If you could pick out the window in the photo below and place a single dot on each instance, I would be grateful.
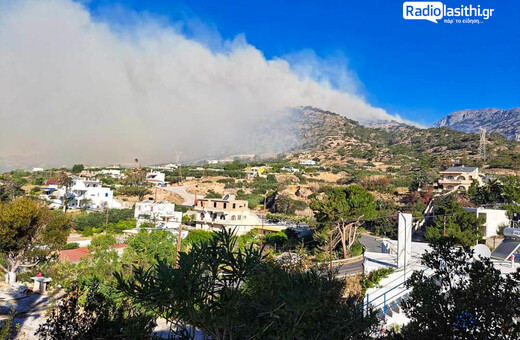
(225, 205)
(233, 218)
(214, 204)
(234, 205)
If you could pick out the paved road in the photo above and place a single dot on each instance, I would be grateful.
(189, 199)
(348, 269)
(372, 244)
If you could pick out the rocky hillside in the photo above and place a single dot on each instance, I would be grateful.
(505, 122)
(335, 138)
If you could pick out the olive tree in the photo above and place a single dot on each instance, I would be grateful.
(29, 233)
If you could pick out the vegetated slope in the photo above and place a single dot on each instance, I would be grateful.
(332, 137)
(505, 122)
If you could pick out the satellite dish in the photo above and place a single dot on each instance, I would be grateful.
(481, 252)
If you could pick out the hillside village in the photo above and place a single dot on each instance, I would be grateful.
(401, 197)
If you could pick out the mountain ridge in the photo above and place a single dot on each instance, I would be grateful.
(494, 120)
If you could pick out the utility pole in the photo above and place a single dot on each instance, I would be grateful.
(106, 219)
(330, 254)
(482, 144)
(178, 245)
(179, 167)
(262, 218)
(444, 228)
(262, 233)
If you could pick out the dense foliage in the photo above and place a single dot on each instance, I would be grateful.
(29, 233)
(95, 311)
(228, 292)
(97, 219)
(462, 299)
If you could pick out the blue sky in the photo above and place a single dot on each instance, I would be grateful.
(418, 69)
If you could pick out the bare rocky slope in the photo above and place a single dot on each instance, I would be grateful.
(505, 122)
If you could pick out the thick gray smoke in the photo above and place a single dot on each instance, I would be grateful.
(74, 89)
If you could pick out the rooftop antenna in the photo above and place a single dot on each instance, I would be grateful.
(482, 145)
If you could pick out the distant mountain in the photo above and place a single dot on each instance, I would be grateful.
(505, 122)
(335, 138)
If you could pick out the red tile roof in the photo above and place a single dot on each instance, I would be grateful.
(74, 255)
(52, 181)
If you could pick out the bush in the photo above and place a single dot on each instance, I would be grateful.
(278, 238)
(213, 194)
(198, 237)
(68, 246)
(87, 232)
(375, 276)
(356, 249)
(97, 219)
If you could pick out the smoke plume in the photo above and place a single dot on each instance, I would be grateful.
(77, 89)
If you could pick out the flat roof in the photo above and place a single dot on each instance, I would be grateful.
(460, 169)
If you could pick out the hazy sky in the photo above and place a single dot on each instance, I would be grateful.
(78, 88)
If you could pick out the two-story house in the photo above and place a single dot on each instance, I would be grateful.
(460, 177)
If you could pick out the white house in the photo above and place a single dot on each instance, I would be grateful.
(37, 169)
(90, 195)
(494, 218)
(291, 169)
(116, 173)
(161, 214)
(307, 162)
(156, 177)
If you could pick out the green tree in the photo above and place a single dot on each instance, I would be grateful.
(511, 189)
(94, 311)
(65, 181)
(228, 292)
(9, 189)
(102, 242)
(77, 168)
(464, 226)
(29, 233)
(146, 248)
(342, 209)
(139, 191)
(463, 299)
(278, 238)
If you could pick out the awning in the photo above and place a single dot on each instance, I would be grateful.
(505, 249)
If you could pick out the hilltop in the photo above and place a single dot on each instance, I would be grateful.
(505, 122)
(337, 139)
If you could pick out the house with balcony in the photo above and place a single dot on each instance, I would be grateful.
(225, 213)
(460, 177)
(160, 214)
(90, 195)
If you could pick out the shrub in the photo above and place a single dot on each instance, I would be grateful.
(356, 249)
(375, 276)
(73, 245)
(198, 237)
(278, 238)
(213, 194)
